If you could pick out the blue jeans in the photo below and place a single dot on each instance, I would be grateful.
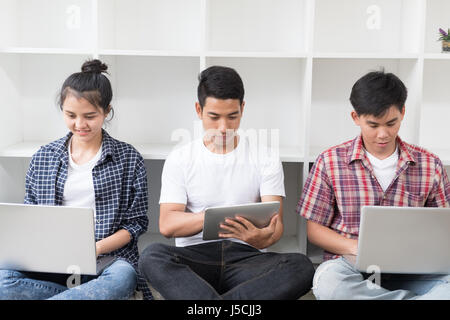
(338, 279)
(225, 270)
(117, 281)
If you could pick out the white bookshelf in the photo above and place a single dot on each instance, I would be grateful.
(436, 17)
(435, 108)
(256, 26)
(156, 25)
(60, 25)
(298, 60)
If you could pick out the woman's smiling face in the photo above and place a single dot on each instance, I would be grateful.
(82, 118)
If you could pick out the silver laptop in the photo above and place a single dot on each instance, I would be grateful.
(51, 239)
(258, 213)
(403, 240)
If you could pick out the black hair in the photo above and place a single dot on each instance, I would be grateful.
(90, 84)
(377, 91)
(220, 83)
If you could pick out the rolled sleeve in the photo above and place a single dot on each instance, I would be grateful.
(135, 221)
(317, 201)
(440, 193)
(30, 188)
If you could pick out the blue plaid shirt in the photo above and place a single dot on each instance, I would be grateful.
(120, 186)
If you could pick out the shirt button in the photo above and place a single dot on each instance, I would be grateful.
(99, 221)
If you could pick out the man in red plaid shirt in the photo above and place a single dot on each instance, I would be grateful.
(376, 168)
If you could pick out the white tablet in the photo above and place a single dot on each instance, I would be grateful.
(258, 213)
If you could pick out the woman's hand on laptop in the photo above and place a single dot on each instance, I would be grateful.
(242, 229)
(115, 241)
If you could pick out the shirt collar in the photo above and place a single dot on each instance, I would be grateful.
(356, 151)
(108, 147)
(60, 146)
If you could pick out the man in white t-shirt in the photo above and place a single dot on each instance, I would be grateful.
(222, 168)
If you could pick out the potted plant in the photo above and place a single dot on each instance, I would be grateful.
(445, 38)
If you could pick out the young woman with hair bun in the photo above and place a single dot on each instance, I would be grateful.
(88, 168)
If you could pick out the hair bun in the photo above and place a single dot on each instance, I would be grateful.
(94, 66)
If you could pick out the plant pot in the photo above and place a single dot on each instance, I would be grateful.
(446, 46)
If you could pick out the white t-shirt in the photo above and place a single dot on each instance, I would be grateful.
(79, 187)
(385, 169)
(195, 176)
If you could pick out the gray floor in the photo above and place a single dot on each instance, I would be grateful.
(308, 296)
(157, 296)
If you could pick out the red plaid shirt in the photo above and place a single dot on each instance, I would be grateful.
(342, 180)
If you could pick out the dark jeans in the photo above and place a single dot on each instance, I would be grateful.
(225, 270)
